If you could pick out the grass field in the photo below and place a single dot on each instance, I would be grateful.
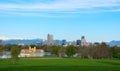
(60, 64)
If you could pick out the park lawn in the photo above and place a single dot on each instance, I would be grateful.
(60, 64)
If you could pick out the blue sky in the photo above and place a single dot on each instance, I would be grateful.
(98, 20)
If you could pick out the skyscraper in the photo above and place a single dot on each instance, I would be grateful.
(49, 39)
(78, 42)
(83, 41)
(64, 42)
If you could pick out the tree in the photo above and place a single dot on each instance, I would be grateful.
(46, 48)
(70, 51)
(1, 50)
(115, 50)
(101, 51)
(15, 51)
(118, 55)
(62, 51)
(32, 45)
(7, 47)
(84, 52)
(55, 50)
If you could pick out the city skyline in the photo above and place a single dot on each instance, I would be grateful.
(65, 19)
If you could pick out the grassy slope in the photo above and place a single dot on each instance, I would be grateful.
(67, 64)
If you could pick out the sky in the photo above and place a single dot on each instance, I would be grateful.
(97, 20)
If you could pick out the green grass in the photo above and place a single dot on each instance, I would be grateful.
(60, 64)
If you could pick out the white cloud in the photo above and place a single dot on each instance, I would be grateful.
(59, 6)
(62, 4)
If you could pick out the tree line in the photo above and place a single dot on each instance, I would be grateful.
(92, 51)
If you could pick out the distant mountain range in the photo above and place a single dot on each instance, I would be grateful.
(34, 41)
(114, 43)
(25, 41)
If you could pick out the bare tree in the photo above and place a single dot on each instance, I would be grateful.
(84, 52)
(100, 51)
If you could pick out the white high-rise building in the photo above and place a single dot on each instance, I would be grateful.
(83, 41)
(49, 39)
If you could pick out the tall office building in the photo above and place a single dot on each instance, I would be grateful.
(83, 41)
(78, 42)
(49, 39)
(64, 42)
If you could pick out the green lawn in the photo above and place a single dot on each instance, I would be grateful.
(61, 64)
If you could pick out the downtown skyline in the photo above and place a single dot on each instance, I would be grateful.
(65, 19)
